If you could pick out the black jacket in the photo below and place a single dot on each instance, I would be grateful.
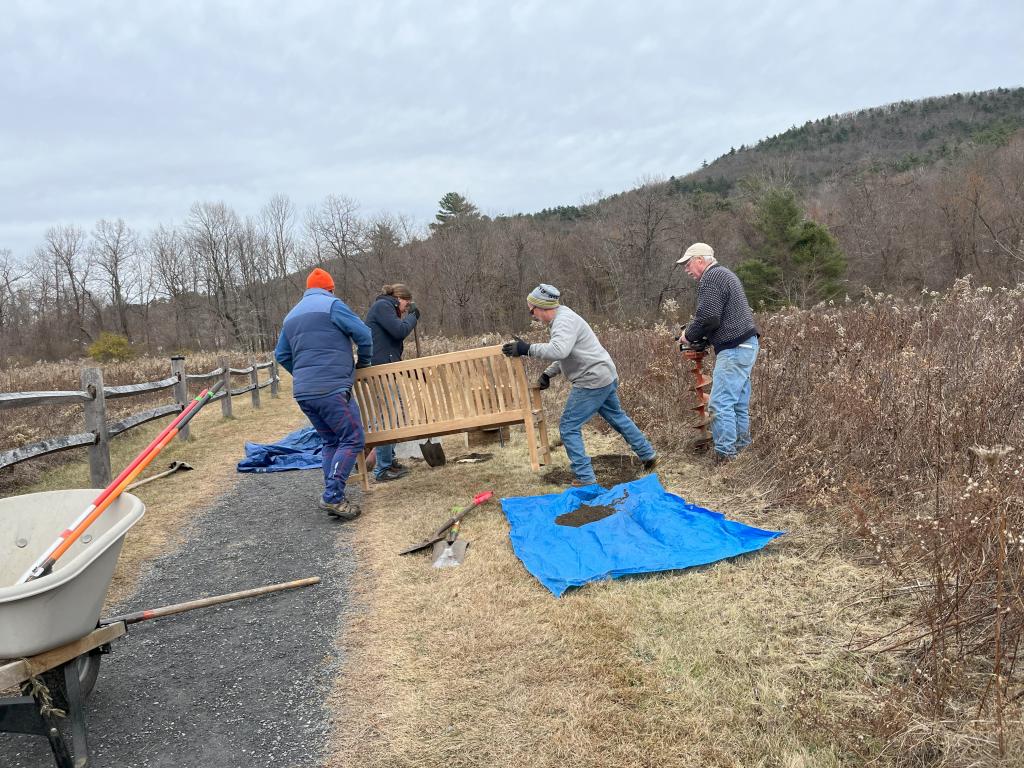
(388, 329)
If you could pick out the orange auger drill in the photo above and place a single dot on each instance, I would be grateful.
(701, 388)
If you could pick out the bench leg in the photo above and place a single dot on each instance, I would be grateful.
(363, 473)
(542, 425)
(531, 440)
(545, 447)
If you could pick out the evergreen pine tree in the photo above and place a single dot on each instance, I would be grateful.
(454, 208)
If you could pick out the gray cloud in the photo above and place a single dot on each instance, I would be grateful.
(139, 109)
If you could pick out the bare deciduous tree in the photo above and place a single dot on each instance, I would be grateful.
(115, 252)
(11, 273)
(340, 235)
(65, 253)
(211, 229)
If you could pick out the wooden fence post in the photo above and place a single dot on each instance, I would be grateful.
(95, 411)
(274, 382)
(225, 402)
(180, 389)
(254, 381)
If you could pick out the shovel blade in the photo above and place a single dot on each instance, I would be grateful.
(433, 453)
(450, 555)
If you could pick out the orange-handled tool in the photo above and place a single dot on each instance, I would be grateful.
(70, 535)
(442, 532)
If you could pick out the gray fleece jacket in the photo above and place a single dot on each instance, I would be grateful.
(576, 352)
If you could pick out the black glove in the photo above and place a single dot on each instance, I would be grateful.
(363, 364)
(544, 381)
(699, 346)
(517, 348)
(412, 309)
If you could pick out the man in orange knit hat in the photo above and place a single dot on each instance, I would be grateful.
(315, 347)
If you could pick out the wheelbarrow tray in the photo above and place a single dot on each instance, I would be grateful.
(65, 605)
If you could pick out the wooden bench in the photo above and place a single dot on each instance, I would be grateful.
(447, 394)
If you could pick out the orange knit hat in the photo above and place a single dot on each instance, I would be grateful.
(318, 278)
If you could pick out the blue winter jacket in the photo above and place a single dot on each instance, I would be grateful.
(315, 346)
(388, 329)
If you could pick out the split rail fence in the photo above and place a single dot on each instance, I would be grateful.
(93, 397)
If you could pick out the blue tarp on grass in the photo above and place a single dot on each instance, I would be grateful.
(651, 530)
(301, 449)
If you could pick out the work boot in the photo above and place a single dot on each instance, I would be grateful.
(651, 463)
(577, 483)
(396, 464)
(390, 474)
(344, 510)
(721, 458)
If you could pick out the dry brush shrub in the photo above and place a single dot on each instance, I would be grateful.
(653, 382)
(21, 426)
(907, 417)
(903, 419)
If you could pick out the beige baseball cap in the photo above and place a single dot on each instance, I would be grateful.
(697, 249)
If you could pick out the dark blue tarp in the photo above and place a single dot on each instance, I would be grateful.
(299, 450)
(651, 530)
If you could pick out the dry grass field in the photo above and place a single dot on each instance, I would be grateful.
(883, 629)
(743, 662)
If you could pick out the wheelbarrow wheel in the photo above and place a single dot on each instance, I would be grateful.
(88, 671)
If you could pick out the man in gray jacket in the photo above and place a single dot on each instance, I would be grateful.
(576, 352)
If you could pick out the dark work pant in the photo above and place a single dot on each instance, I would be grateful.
(336, 420)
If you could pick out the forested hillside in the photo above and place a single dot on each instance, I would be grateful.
(901, 198)
(895, 137)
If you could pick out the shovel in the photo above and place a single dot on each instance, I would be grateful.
(433, 453)
(442, 532)
(174, 466)
(450, 552)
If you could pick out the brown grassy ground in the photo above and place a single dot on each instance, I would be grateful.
(745, 662)
(738, 663)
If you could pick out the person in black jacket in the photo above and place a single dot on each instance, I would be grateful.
(723, 320)
(391, 318)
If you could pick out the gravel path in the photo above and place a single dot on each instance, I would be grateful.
(242, 684)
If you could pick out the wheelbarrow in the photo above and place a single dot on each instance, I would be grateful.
(48, 627)
(64, 605)
(58, 611)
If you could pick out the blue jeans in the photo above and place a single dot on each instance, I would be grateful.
(385, 457)
(730, 398)
(386, 453)
(336, 420)
(579, 408)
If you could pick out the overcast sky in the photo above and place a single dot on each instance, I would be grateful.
(138, 109)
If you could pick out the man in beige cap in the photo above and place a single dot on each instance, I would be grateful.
(723, 321)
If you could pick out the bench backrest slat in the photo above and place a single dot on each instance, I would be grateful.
(440, 394)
